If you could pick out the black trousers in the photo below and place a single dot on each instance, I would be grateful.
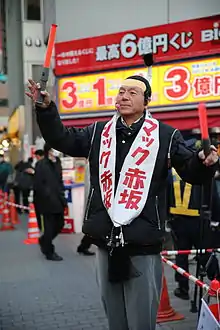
(38, 216)
(186, 235)
(25, 195)
(52, 226)
(85, 243)
(17, 193)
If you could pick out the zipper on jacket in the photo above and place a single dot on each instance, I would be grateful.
(157, 213)
(89, 203)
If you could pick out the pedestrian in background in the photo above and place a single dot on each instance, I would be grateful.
(49, 200)
(39, 155)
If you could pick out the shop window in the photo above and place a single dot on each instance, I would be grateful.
(32, 10)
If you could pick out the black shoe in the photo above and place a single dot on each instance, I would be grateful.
(54, 257)
(181, 293)
(85, 252)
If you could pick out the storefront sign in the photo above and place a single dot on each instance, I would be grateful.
(168, 42)
(67, 163)
(68, 227)
(172, 85)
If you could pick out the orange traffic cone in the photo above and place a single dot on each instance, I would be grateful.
(166, 313)
(33, 230)
(6, 221)
(12, 209)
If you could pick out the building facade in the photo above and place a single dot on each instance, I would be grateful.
(88, 26)
(99, 44)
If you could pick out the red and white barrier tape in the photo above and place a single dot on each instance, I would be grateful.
(17, 205)
(13, 204)
(186, 274)
(174, 253)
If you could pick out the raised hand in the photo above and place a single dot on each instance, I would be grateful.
(33, 93)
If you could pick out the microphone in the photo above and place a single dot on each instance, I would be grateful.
(149, 61)
(117, 106)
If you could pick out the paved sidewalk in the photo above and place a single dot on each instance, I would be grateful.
(36, 294)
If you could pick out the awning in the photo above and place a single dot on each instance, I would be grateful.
(188, 120)
(16, 122)
(83, 121)
(181, 119)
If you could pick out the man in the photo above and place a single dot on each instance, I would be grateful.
(39, 155)
(126, 206)
(23, 182)
(26, 181)
(49, 200)
(6, 170)
(185, 204)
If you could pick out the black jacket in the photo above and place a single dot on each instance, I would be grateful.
(183, 198)
(23, 180)
(48, 187)
(148, 228)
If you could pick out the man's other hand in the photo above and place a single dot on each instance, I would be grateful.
(211, 159)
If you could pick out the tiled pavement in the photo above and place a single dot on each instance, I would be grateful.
(36, 294)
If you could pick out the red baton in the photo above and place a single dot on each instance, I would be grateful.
(204, 128)
(46, 67)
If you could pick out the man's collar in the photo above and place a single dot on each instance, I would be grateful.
(130, 126)
(135, 122)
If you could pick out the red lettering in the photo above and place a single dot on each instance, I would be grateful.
(150, 129)
(144, 153)
(106, 180)
(108, 142)
(106, 130)
(202, 86)
(71, 100)
(217, 85)
(107, 199)
(131, 199)
(134, 178)
(149, 141)
(81, 104)
(105, 155)
(180, 79)
(100, 87)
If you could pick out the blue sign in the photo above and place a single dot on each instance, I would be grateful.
(68, 195)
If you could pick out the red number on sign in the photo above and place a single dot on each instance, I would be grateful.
(179, 77)
(100, 87)
(71, 100)
(217, 85)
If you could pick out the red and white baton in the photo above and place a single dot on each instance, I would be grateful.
(204, 128)
(46, 67)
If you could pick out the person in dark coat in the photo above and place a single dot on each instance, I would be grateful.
(185, 205)
(126, 209)
(23, 182)
(6, 171)
(39, 155)
(49, 200)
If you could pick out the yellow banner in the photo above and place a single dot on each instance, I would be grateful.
(174, 84)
